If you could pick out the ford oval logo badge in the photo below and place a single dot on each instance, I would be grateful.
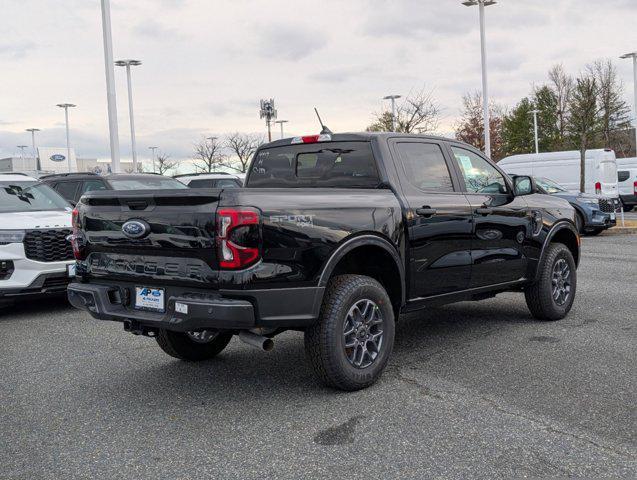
(136, 229)
(57, 157)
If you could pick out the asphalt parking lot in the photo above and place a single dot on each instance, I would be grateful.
(474, 390)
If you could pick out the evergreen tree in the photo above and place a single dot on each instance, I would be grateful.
(517, 129)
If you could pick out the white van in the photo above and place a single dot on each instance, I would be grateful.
(564, 168)
(627, 182)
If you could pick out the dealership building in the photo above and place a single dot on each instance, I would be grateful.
(54, 160)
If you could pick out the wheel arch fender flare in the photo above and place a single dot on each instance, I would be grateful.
(364, 240)
(563, 225)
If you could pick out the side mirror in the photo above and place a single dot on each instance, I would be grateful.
(524, 185)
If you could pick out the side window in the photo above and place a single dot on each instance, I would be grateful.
(201, 183)
(479, 175)
(424, 165)
(227, 183)
(92, 185)
(623, 175)
(67, 190)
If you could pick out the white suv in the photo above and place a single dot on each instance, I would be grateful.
(210, 180)
(35, 257)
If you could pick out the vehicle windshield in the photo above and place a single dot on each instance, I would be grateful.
(549, 185)
(152, 182)
(29, 197)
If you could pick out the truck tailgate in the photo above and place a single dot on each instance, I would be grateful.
(176, 241)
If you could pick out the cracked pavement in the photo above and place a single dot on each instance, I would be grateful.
(473, 390)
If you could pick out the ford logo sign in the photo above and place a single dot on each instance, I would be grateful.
(57, 157)
(136, 229)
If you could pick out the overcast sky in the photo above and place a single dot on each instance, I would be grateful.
(207, 63)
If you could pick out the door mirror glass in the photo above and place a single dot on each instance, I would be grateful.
(524, 185)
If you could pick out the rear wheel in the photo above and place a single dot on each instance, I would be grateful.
(193, 346)
(350, 344)
(551, 297)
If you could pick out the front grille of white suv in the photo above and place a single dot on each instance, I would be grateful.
(48, 245)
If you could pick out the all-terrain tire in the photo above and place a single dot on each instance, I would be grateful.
(325, 341)
(181, 346)
(540, 296)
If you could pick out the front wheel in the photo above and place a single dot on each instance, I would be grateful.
(350, 344)
(193, 346)
(551, 297)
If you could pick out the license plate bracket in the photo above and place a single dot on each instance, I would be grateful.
(150, 299)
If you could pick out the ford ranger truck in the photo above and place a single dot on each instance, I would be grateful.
(334, 235)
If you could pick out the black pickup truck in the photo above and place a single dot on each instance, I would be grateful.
(334, 235)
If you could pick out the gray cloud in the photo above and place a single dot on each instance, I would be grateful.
(16, 49)
(288, 42)
(155, 30)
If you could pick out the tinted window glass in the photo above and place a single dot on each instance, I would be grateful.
(201, 183)
(478, 174)
(623, 175)
(152, 182)
(425, 166)
(92, 185)
(329, 164)
(29, 196)
(227, 183)
(67, 190)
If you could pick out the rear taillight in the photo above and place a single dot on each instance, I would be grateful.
(598, 188)
(237, 237)
(75, 238)
(635, 188)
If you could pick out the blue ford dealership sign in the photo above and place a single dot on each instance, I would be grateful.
(57, 157)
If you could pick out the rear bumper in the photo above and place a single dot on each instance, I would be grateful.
(229, 310)
(629, 199)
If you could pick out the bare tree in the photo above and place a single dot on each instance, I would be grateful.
(164, 164)
(614, 111)
(242, 147)
(584, 118)
(562, 86)
(470, 128)
(208, 155)
(418, 113)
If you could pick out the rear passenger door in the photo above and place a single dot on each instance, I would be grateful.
(438, 218)
(501, 221)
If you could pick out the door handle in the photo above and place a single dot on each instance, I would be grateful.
(426, 212)
(484, 211)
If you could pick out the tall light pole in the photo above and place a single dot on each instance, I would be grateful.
(35, 152)
(633, 55)
(393, 109)
(281, 122)
(485, 89)
(152, 149)
(22, 147)
(110, 85)
(128, 64)
(535, 112)
(66, 107)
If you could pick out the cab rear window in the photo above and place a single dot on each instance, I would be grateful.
(329, 164)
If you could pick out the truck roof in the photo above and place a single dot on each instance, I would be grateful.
(362, 137)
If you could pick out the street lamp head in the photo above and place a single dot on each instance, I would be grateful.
(66, 105)
(473, 3)
(32, 130)
(392, 97)
(22, 146)
(534, 111)
(629, 55)
(282, 121)
(126, 63)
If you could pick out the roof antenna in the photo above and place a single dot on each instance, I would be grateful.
(324, 129)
